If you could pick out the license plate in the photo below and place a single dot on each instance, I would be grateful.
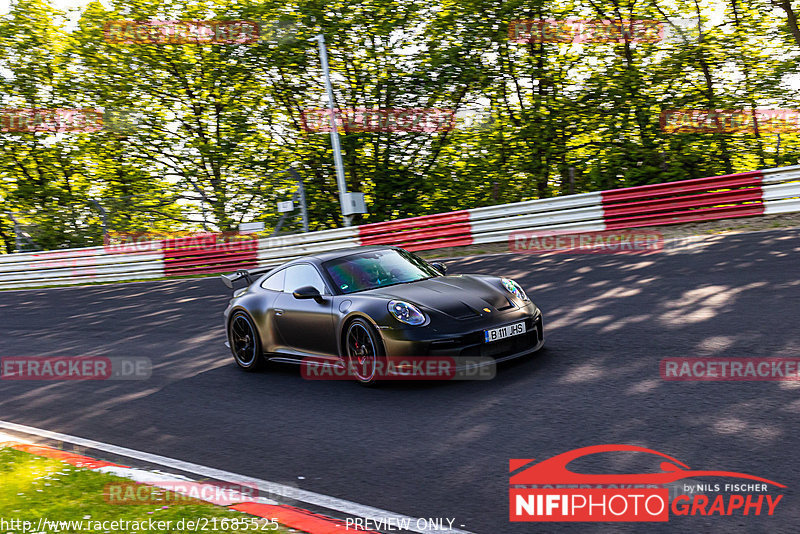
(496, 334)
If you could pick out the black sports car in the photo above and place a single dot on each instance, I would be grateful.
(356, 307)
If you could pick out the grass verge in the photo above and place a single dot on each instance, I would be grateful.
(52, 496)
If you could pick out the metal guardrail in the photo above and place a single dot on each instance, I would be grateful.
(781, 190)
(765, 192)
(493, 224)
(702, 199)
(420, 233)
(77, 266)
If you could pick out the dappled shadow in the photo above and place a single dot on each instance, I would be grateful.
(608, 319)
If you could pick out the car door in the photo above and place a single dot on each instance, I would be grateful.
(273, 286)
(306, 325)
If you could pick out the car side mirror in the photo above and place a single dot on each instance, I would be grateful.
(307, 292)
(439, 266)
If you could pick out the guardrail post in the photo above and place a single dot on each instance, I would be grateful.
(103, 219)
(572, 180)
(301, 192)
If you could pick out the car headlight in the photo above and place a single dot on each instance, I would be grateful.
(515, 289)
(406, 313)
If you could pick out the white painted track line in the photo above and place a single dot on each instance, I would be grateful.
(331, 503)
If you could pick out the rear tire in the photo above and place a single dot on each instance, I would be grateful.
(245, 342)
(363, 352)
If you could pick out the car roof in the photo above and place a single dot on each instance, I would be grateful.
(340, 253)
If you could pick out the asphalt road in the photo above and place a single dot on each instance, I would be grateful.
(442, 449)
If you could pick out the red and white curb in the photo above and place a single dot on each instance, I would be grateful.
(290, 516)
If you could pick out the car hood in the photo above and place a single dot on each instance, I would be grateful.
(461, 296)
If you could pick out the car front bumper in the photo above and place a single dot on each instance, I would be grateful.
(470, 342)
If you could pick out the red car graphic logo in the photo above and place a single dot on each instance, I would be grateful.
(554, 470)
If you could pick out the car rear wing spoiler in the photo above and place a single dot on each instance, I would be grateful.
(247, 274)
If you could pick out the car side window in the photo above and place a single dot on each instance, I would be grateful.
(274, 282)
(301, 275)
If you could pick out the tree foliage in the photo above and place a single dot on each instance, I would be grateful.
(202, 135)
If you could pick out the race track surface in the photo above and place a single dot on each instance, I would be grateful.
(442, 449)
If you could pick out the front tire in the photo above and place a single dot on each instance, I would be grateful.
(364, 355)
(245, 342)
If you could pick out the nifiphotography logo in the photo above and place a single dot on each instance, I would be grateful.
(548, 491)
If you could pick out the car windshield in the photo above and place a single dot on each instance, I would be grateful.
(379, 268)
